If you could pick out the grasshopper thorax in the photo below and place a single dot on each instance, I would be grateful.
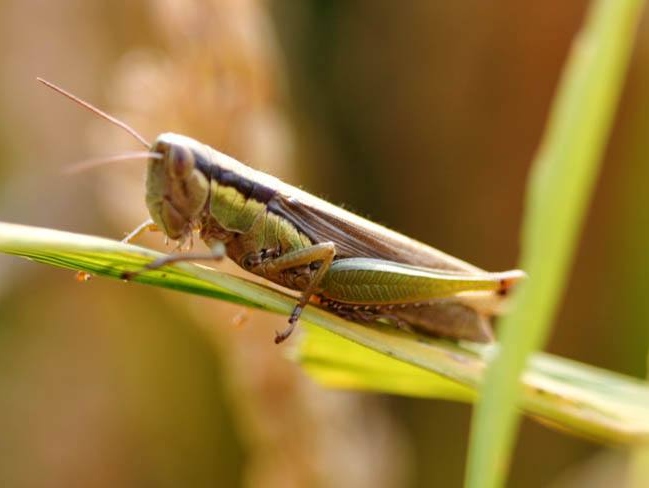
(176, 190)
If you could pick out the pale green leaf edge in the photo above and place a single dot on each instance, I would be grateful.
(575, 397)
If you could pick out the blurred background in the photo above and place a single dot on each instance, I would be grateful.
(423, 116)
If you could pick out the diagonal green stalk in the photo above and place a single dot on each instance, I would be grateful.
(560, 185)
(587, 401)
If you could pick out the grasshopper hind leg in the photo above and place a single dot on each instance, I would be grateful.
(315, 259)
(448, 318)
(440, 318)
(292, 321)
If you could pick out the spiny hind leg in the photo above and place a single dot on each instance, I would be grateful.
(274, 269)
(438, 318)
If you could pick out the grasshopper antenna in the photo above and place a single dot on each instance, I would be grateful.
(94, 162)
(97, 111)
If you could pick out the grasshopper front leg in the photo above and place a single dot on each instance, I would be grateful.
(277, 270)
(216, 254)
(146, 226)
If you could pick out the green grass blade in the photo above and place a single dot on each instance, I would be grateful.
(592, 402)
(574, 397)
(560, 185)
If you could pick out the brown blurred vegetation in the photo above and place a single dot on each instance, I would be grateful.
(423, 116)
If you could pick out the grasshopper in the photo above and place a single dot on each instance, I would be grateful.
(349, 265)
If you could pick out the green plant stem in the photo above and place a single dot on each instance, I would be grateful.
(559, 189)
(577, 398)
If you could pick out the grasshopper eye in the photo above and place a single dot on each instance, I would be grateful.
(181, 161)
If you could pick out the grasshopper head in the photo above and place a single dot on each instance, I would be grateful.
(176, 191)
